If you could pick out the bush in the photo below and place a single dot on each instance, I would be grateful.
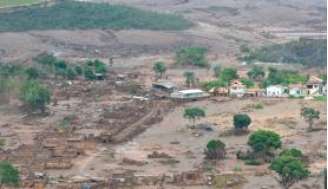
(292, 152)
(217, 70)
(32, 73)
(192, 56)
(253, 162)
(241, 121)
(9, 175)
(70, 74)
(78, 70)
(34, 95)
(215, 149)
(213, 84)
(263, 141)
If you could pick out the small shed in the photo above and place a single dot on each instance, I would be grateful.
(276, 91)
(237, 88)
(163, 88)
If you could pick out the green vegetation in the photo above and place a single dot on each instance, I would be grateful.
(2, 143)
(257, 73)
(228, 74)
(13, 3)
(213, 84)
(224, 77)
(290, 168)
(83, 15)
(310, 114)
(241, 121)
(159, 68)
(9, 175)
(217, 70)
(248, 83)
(35, 96)
(215, 149)
(192, 56)
(283, 77)
(190, 78)
(92, 68)
(321, 98)
(309, 52)
(194, 114)
(293, 152)
(263, 141)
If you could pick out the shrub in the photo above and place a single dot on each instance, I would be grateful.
(32, 73)
(34, 95)
(192, 56)
(78, 70)
(253, 162)
(213, 84)
(9, 175)
(263, 141)
(88, 73)
(70, 74)
(215, 149)
(292, 152)
(241, 121)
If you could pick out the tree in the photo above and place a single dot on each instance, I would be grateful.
(228, 74)
(256, 73)
(217, 70)
(159, 68)
(192, 56)
(241, 121)
(9, 175)
(310, 114)
(194, 114)
(290, 170)
(262, 142)
(34, 95)
(215, 149)
(190, 78)
(248, 83)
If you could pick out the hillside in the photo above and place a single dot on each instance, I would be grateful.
(82, 15)
(309, 52)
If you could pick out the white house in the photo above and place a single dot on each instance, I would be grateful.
(314, 86)
(276, 91)
(237, 88)
(296, 90)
